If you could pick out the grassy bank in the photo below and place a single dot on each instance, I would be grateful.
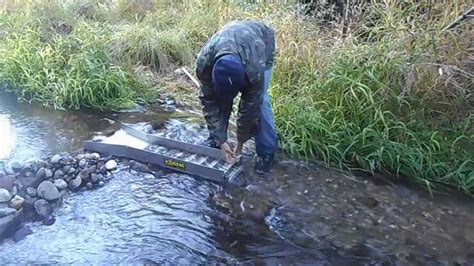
(393, 95)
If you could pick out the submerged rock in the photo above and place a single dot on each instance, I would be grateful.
(48, 191)
(5, 195)
(22, 233)
(6, 211)
(17, 202)
(43, 208)
(60, 184)
(6, 182)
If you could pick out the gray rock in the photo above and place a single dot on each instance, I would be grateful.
(48, 173)
(2, 173)
(56, 158)
(101, 183)
(6, 211)
(92, 156)
(5, 195)
(27, 167)
(82, 163)
(17, 202)
(16, 165)
(9, 170)
(31, 191)
(47, 191)
(7, 222)
(71, 171)
(66, 168)
(58, 174)
(60, 184)
(111, 165)
(43, 208)
(29, 174)
(148, 129)
(96, 178)
(75, 183)
(6, 182)
(30, 182)
(89, 185)
(41, 172)
(14, 190)
(80, 156)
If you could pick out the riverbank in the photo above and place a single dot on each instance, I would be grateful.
(391, 95)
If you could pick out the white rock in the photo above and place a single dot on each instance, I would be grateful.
(5, 195)
(111, 165)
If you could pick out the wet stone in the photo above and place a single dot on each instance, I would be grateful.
(48, 191)
(58, 174)
(89, 186)
(96, 178)
(75, 183)
(101, 183)
(17, 202)
(22, 233)
(9, 170)
(16, 165)
(41, 172)
(49, 220)
(6, 182)
(31, 191)
(60, 184)
(56, 158)
(6, 211)
(43, 208)
(5, 195)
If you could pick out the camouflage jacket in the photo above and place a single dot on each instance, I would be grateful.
(254, 43)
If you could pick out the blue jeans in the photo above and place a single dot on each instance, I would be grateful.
(266, 140)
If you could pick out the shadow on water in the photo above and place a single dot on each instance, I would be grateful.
(304, 214)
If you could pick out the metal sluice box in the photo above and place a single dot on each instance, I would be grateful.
(188, 158)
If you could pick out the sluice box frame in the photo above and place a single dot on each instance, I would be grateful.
(165, 161)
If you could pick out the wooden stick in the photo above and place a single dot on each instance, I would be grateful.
(193, 79)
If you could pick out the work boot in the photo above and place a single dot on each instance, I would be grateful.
(263, 164)
(211, 143)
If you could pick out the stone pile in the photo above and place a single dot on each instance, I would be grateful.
(31, 190)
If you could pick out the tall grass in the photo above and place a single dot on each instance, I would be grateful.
(394, 94)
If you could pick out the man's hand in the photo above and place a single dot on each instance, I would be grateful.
(229, 155)
(238, 148)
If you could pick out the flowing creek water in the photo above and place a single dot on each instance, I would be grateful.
(303, 214)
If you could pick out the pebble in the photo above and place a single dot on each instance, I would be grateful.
(48, 191)
(60, 184)
(89, 185)
(58, 174)
(82, 163)
(31, 191)
(101, 183)
(16, 165)
(96, 178)
(56, 158)
(6, 182)
(111, 165)
(17, 202)
(48, 173)
(43, 208)
(75, 183)
(5, 195)
(9, 170)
